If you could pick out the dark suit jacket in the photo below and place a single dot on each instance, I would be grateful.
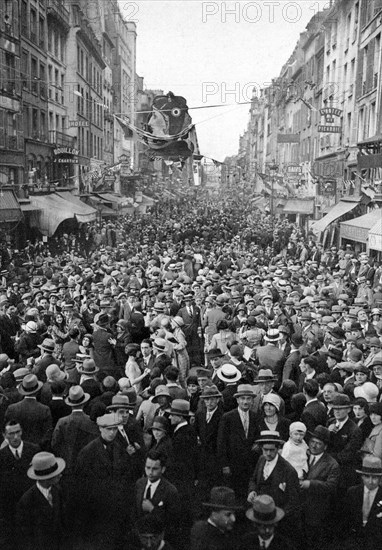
(35, 419)
(251, 540)
(271, 357)
(324, 476)
(291, 370)
(103, 351)
(42, 363)
(282, 485)
(234, 449)
(40, 525)
(166, 504)
(13, 477)
(344, 447)
(71, 434)
(205, 536)
(58, 409)
(371, 534)
(182, 465)
(314, 414)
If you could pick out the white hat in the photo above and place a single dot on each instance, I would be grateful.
(297, 427)
(368, 391)
(31, 327)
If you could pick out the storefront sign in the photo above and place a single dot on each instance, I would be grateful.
(78, 124)
(294, 169)
(327, 168)
(375, 241)
(329, 129)
(66, 151)
(67, 161)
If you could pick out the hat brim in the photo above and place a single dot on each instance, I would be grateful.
(324, 439)
(61, 467)
(270, 440)
(272, 339)
(121, 406)
(85, 399)
(236, 378)
(155, 400)
(178, 413)
(44, 348)
(212, 395)
(23, 392)
(234, 507)
(244, 394)
(262, 380)
(370, 472)
(278, 517)
(81, 371)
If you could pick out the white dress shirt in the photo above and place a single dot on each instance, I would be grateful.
(47, 494)
(153, 488)
(269, 466)
(19, 450)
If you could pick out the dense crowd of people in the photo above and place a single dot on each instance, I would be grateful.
(204, 377)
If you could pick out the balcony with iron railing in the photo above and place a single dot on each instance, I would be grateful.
(56, 9)
(60, 139)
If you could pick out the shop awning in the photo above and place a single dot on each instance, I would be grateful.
(358, 228)
(147, 201)
(338, 210)
(83, 212)
(28, 208)
(299, 206)
(115, 199)
(52, 210)
(375, 236)
(10, 210)
(104, 210)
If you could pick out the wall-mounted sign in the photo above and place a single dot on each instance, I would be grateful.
(329, 129)
(78, 124)
(66, 151)
(67, 161)
(294, 169)
(288, 138)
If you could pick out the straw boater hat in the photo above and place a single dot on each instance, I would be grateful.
(269, 436)
(109, 420)
(264, 511)
(30, 385)
(45, 466)
(77, 397)
(228, 373)
(371, 465)
(160, 344)
(245, 390)
(272, 335)
(222, 498)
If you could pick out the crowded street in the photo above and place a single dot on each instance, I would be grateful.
(190, 275)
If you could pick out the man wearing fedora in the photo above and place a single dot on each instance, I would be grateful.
(192, 329)
(362, 515)
(182, 464)
(41, 517)
(265, 516)
(34, 417)
(237, 434)
(319, 488)
(274, 476)
(101, 508)
(217, 531)
(207, 426)
(15, 459)
(72, 433)
(345, 440)
(271, 356)
(264, 385)
(46, 359)
(103, 349)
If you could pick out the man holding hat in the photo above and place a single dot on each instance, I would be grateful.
(266, 516)
(40, 516)
(237, 433)
(274, 476)
(216, 532)
(362, 515)
(319, 488)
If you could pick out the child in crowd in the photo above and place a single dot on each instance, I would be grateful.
(294, 450)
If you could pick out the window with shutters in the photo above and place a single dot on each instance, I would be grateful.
(2, 127)
(26, 121)
(35, 124)
(41, 32)
(24, 19)
(34, 75)
(42, 81)
(25, 69)
(377, 60)
(33, 26)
